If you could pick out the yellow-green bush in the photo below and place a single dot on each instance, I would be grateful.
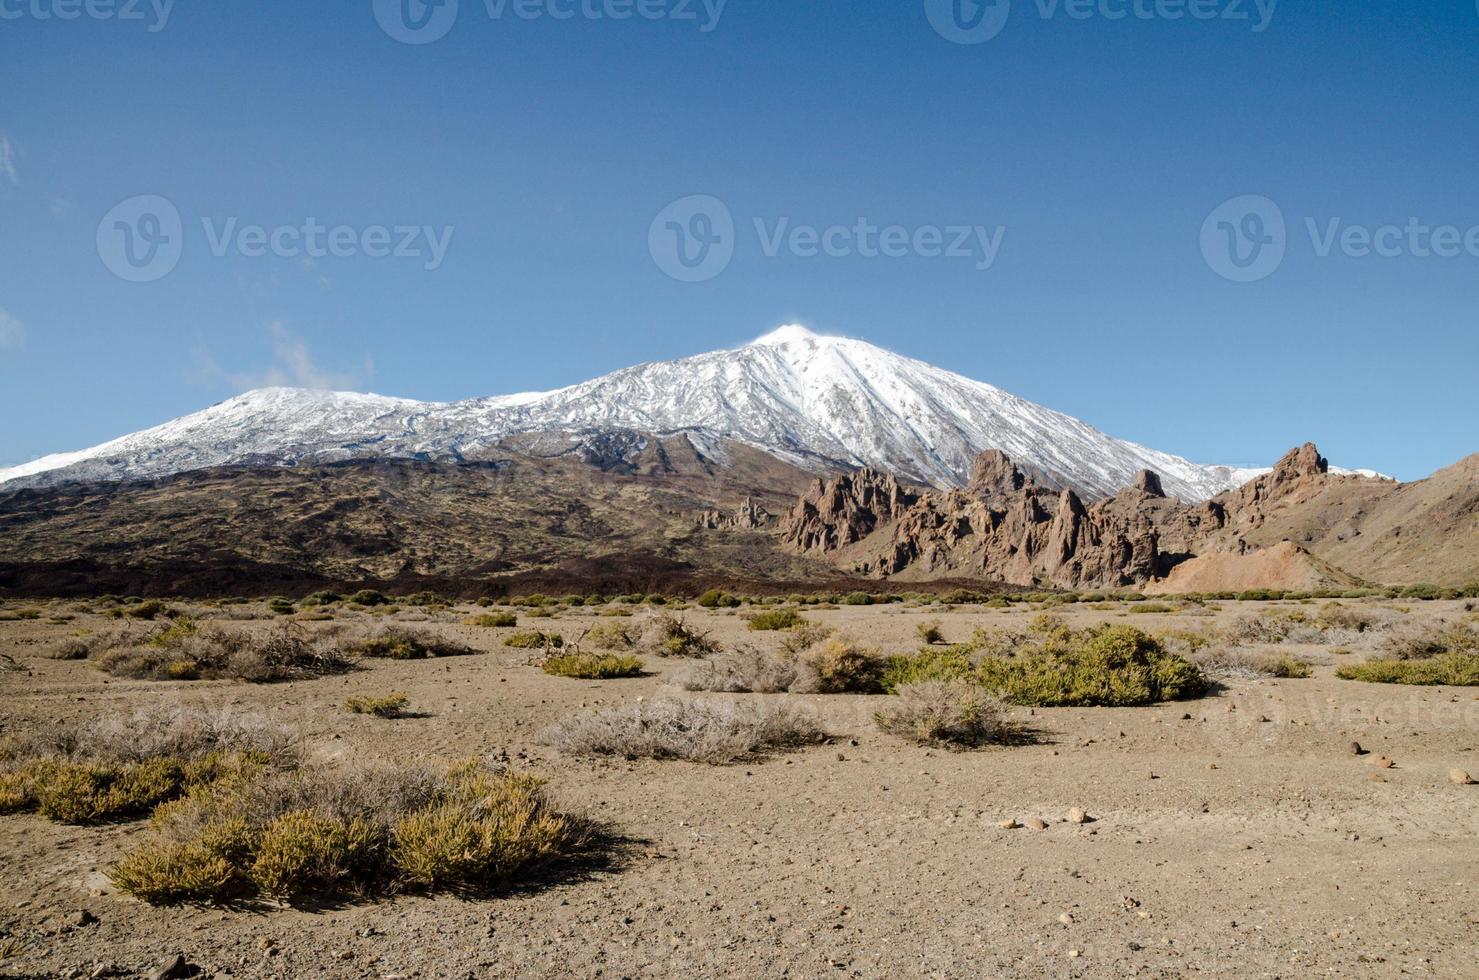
(593, 666)
(303, 852)
(500, 619)
(481, 830)
(391, 705)
(776, 619)
(534, 640)
(1454, 669)
(1109, 666)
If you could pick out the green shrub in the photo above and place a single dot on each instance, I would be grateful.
(303, 852)
(1109, 666)
(328, 832)
(715, 599)
(592, 666)
(399, 644)
(480, 831)
(611, 636)
(369, 597)
(533, 640)
(1454, 669)
(939, 664)
(501, 619)
(776, 619)
(391, 705)
(145, 610)
(857, 599)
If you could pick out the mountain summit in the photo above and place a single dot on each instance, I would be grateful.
(819, 402)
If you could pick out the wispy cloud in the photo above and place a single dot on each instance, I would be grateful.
(8, 154)
(12, 331)
(293, 366)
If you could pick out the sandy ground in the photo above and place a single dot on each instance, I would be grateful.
(1245, 840)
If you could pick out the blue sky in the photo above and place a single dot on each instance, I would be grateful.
(548, 146)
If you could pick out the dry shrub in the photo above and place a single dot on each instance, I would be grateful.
(121, 768)
(743, 671)
(666, 635)
(324, 832)
(715, 732)
(393, 643)
(929, 632)
(809, 634)
(72, 649)
(590, 666)
(838, 665)
(183, 651)
(1231, 663)
(612, 636)
(499, 619)
(534, 640)
(391, 705)
(1421, 642)
(951, 713)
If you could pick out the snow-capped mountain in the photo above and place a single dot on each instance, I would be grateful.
(815, 401)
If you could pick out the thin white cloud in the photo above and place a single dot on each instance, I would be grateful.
(293, 366)
(12, 331)
(8, 154)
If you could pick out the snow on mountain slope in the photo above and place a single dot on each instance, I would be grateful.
(812, 400)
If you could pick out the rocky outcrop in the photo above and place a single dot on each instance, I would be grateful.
(842, 511)
(748, 517)
(1004, 525)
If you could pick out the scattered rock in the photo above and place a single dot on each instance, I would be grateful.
(1077, 815)
(1008, 824)
(171, 968)
(1356, 749)
(1066, 919)
(1036, 824)
(1459, 777)
(1381, 762)
(83, 918)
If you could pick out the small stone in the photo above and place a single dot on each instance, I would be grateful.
(1356, 749)
(84, 918)
(1382, 762)
(1066, 919)
(1078, 815)
(1211, 765)
(1073, 954)
(1036, 824)
(171, 968)
(1459, 777)
(1008, 824)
